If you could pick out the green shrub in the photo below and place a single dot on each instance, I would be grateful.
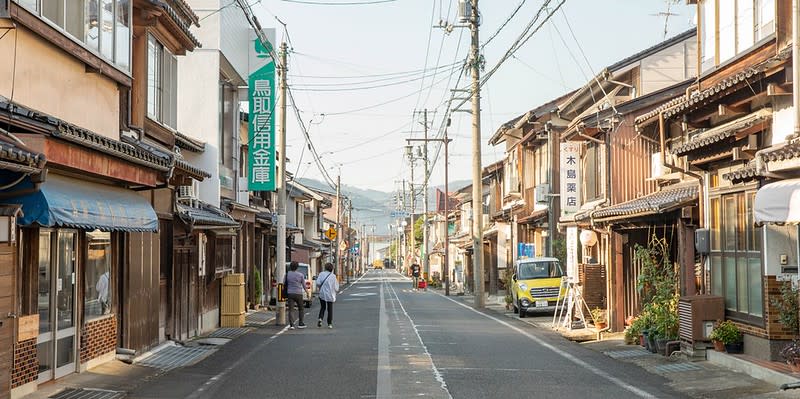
(726, 332)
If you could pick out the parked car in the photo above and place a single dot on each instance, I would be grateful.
(536, 285)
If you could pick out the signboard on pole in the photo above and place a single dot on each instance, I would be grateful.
(572, 252)
(261, 122)
(570, 178)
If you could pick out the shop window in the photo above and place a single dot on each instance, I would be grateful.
(736, 271)
(98, 286)
(224, 254)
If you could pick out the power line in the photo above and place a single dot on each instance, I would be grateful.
(348, 3)
(354, 85)
(510, 17)
(427, 53)
(403, 73)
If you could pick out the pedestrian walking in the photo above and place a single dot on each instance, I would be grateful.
(327, 286)
(295, 286)
(415, 275)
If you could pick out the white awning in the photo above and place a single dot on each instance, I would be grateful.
(778, 203)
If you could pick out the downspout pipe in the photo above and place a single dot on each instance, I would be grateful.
(795, 66)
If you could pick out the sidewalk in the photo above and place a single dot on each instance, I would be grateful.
(113, 379)
(721, 376)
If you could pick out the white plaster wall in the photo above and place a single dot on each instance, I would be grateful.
(235, 40)
(782, 119)
(669, 66)
(779, 240)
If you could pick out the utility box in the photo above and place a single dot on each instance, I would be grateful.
(232, 308)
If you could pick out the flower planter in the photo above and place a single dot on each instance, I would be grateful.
(661, 345)
(719, 346)
(736, 347)
(641, 340)
(600, 325)
(651, 343)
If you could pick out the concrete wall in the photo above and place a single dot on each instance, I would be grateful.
(779, 240)
(49, 80)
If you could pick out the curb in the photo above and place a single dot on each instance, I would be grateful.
(756, 371)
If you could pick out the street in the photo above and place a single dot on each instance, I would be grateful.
(392, 342)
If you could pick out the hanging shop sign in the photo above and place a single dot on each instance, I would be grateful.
(570, 178)
(261, 123)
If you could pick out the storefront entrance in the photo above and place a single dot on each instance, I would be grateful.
(57, 344)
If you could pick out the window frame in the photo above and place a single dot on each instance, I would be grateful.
(710, 47)
(164, 110)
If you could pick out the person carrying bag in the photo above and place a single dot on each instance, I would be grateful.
(327, 286)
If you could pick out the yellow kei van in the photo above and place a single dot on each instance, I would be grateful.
(536, 284)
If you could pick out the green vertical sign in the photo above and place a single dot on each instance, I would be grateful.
(261, 131)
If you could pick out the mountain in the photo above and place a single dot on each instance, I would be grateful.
(373, 207)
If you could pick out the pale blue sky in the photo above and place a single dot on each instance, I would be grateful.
(340, 42)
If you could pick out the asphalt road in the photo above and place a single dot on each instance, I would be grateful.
(390, 341)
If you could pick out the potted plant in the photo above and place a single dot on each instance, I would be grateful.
(599, 317)
(791, 353)
(633, 332)
(727, 333)
(509, 300)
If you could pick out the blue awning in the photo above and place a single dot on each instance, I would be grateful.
(67, 202)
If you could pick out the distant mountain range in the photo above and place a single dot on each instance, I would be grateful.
(373, 207)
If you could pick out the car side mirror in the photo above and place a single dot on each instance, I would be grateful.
(514, 276)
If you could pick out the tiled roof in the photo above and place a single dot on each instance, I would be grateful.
(699, 98)
(782, 153)
(189, 143)
(178, 20)
(194, 171)
(658, 202)
(203, 214)
(722, 132)
(534, 217)
(747, 173)
(110, 146)
(17, 159)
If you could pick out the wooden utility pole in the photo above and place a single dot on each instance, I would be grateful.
(477, 185)
(338, 225)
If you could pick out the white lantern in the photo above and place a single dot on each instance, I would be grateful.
(588, 238)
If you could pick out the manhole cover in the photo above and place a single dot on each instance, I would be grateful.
(87, 393)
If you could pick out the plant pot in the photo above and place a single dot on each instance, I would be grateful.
(651, 343)
(644, 339)
(719, 346)
(641, 340)
(600, 325)
(661, 345)
(735, 347)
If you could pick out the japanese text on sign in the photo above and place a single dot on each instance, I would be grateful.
(570, 178)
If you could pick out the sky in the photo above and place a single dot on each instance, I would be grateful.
(363, 74)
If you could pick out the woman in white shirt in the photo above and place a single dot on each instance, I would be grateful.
(327, 285)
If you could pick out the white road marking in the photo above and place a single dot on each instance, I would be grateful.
(622, 384)
(384, 368)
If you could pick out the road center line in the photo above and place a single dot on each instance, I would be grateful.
(622, 384)
(384, 389)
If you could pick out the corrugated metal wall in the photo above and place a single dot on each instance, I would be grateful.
(630, 163)
(140, 311)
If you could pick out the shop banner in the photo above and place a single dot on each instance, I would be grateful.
(570, 178)
(261, 132)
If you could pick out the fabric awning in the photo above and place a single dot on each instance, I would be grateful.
(778, 203)
(67, 202)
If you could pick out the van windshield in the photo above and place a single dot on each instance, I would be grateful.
(300, 268)
(543, 269)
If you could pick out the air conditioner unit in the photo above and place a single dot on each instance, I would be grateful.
(540, 193)
(694, 313)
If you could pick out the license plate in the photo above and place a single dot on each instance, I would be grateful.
(541, 304)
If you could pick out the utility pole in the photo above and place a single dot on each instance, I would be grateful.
(280, 267)
(446, 268)
(410, 151)
(349, 241)
(477, 186)
(425, 257)
(338, 225)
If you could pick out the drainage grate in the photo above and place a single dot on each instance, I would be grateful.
(228, 332)
(176, 356)
(627, 353)
(87, 393)
(259, 318)
(676, 367)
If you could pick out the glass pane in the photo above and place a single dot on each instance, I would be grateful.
(755, 286)
(745, 24)
(107, 29)
(729, 266)
(754, 242)
(44, 282)
(66, 351)
(716, 238)
(729, 225)
(741, 285)
(707, 13)
(97, 278)
(727, 32)
(122, 34)
(75, 18)
(54, 11)
(766, 18)
(65, 285)
(92, 24)
(44, 351)
(30, 4)
(716, 274)
(153, 78)
(741, 223)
